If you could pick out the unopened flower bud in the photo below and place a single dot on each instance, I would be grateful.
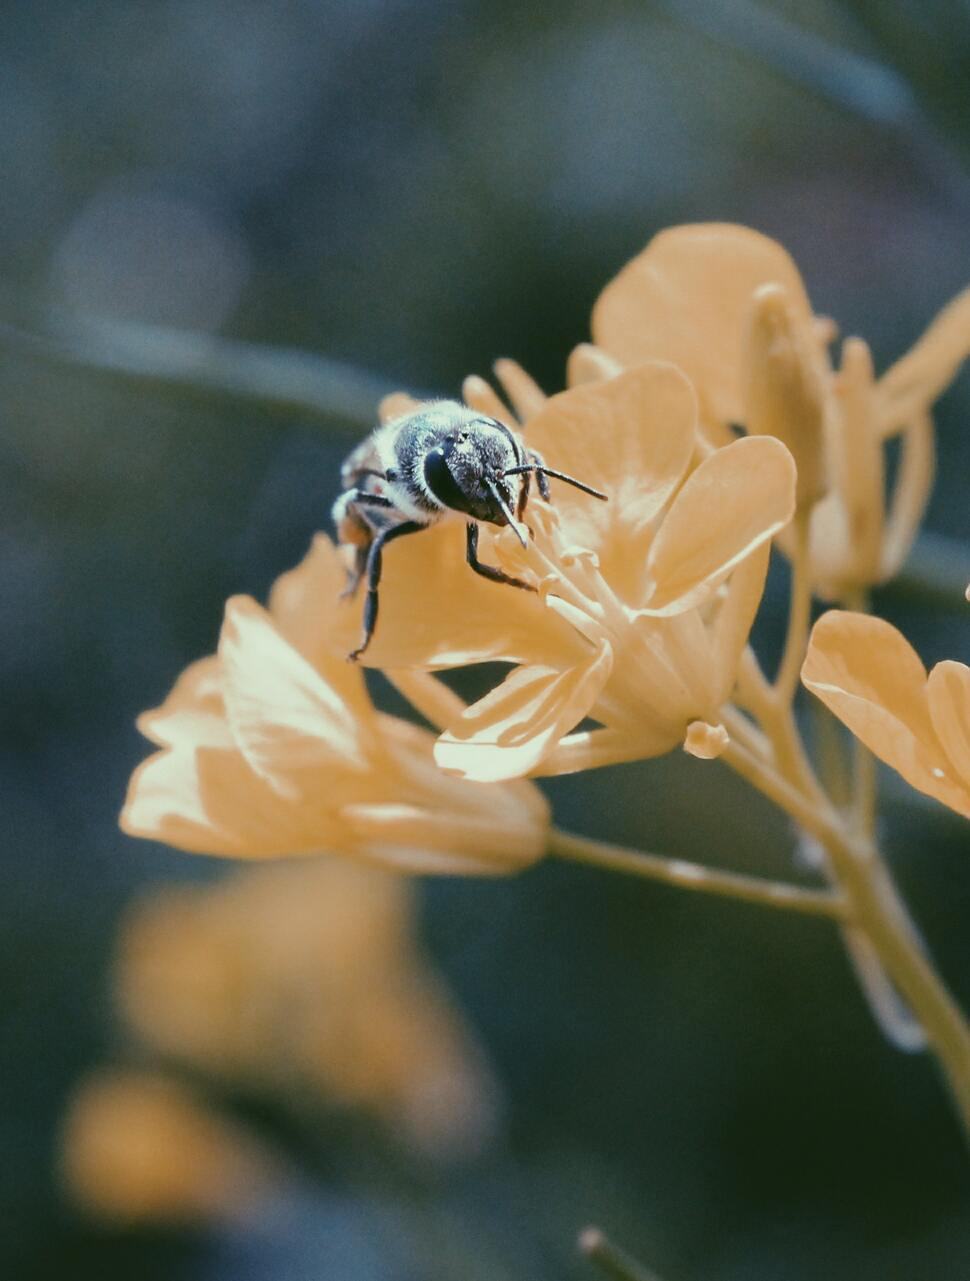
(705, 741)
(784, 390)
(858, 464)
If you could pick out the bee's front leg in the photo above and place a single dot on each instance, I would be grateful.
(488, 571)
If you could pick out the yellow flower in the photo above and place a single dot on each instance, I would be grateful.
(644, 603)
(729, 307)
(305, 977)
(871, 678)
(272, 747)
(137, 1147)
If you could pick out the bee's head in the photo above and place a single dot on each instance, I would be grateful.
(465, 470)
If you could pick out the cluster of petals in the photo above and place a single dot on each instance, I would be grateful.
(728, 306)
(272, 747)
(871, 678)
(642, 606)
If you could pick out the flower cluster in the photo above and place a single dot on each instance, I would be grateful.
(709, 411)
(728, 306)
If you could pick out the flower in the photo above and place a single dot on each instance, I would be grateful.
(306, 978)
(138, 1147)
(272, 747)
(869, 676)
(706, 297)
(643, 604)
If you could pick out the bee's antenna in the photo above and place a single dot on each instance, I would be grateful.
(559, 475)
(507, 512)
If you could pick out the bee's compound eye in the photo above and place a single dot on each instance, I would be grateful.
(438, 478)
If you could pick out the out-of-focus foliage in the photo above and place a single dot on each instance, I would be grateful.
(419, 189)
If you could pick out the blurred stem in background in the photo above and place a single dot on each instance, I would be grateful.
(857, 84)
(611, 1260)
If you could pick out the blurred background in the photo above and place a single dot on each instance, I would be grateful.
(445, 1080)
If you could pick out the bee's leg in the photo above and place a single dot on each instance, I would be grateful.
(488, 571)
(355, 530)
(542, 480)
(374, 565)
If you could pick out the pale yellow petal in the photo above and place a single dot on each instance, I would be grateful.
(869, 676)
(201, 796)
(198, 688)
(286, 719)
(482, 396)
(406, 838)
(735, 618)
(587, 364)
(436, 613)
(395, 405)
(309, 610)
(630, 437)
(660, 667)
(911, 492)
(595, 748)
(732, 504)
(526, 396)
(910, 386)
(507, 733)
(948, 694)
(685, 298)
(412, 749)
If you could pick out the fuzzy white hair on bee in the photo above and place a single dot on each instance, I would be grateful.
(439, 461)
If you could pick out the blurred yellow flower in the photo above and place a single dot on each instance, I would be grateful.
(643, 604)
(729, 307)
(305, 978)
(272, 747)
(871, 678)
(137, 1147)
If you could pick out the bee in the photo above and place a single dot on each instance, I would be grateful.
(441, 461)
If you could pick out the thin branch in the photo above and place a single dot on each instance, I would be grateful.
(612, 1261)
(281, 380)
(800, 612)
(865, 779)
(852, 82)
(693, 876)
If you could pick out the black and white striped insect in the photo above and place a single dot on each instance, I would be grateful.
(441, 461)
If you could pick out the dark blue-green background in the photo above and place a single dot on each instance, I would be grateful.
(418, 188)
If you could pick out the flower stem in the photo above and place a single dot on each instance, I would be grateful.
(613, 1261)
(864, 777)
(693, 876)
(873, 905)
(800, 611)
